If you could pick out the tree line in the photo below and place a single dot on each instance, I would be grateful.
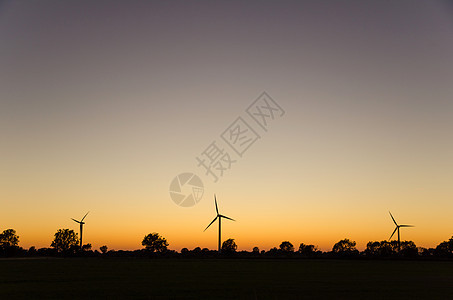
(66, 243)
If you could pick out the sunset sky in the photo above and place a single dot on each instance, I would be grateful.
(103, 103)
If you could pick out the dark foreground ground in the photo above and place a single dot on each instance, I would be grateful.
(119, 278)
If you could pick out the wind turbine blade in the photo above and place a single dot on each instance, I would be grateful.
(84, 216)
(216, 208)
(222, 216)
(211, 223)
(75, 220)
(393, 233)
(393, 219)
(407, 226)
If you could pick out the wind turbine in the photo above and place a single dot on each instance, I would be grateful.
(219, 216)
(81, 228)
(398, 228)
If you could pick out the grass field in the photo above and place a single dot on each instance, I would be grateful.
(118, 278)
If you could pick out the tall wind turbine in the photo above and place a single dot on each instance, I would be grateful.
(398, 228)
(81, 228)
(219, 216)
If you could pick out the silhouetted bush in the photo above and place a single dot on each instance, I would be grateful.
(345, 248)
(380, 249)
(286, 247)
(65, 241)
(256, 251)
(153, 242)
(408, 249)
(307, 250)
(445, 249)
(229, 246)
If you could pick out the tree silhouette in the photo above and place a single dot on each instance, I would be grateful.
(9, 238)
(65, 241)
(394, 246)
(153, 242)
(32, 250)
(345, 246)
(272, 252)
(408, 249)
(383, 248)
(9, 242)
(256, 250)
(307, 250)
(372, 248)
(229, 246)
(104, 249)
(86, 247)
(286, 247)
(445, 248)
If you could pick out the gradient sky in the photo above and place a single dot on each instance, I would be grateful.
(103, 103)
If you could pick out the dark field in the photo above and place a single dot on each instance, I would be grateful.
(109, 278)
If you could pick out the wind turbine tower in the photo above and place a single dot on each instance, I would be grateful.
(218, 216)
(81, 228)
(397, 228)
